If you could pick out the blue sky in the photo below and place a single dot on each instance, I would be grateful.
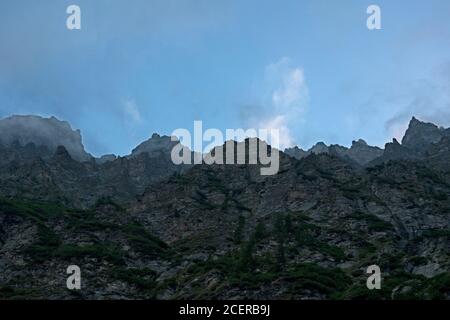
(310, 67)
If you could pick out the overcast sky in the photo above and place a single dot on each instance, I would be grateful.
(310, 68)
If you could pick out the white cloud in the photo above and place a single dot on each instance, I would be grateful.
(288, 99)
(131, 111)
(397, 130)
(279, 123)
(428, 99)
(292, 91)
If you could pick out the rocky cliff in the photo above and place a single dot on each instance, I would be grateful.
(141, 227)
(359, 152)
(42, 132)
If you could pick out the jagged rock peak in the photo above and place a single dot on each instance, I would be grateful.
(48, 132)
(296, 152)
(155, 145)
(106, 158)
(414, 121)
(294, 148)
(420, 135)
(319, 147)
(359, 142)
(362, 153)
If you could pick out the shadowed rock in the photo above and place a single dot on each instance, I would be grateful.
(48, 132)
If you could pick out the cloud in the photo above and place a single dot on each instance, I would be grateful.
(292, 92)
(279, 123)
(82, 75)
(286, 88)
(427, 99)
(397, 126)
(131, 111)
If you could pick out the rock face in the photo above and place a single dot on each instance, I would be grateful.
(319, 148)
(395, 151)
(360, 152)
(42, 132)
(438, 154)
(296, 152)
(155, 145)
(106, 158)
(420, 135)
(422, 141)
(141, 227)
(33, 172)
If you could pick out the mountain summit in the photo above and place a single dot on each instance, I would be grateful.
(155, 145)
(420, 135)
(47, 132)
(145, 228)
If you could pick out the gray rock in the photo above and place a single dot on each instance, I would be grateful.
(47, 132)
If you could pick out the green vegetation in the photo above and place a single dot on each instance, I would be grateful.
(298, 278)
(418, 261)
(426, 173)
(439, 195)
(353, 190)
(144, 242)
(366, 250)
(333, 251)
(310, 276)
(280, 228)
(259, 259)
(39, 212)
(35, 210)
(179, 179)
(436, 233)
(100, 251)
(246, 269)
(12, 293)
(142, 279)
(240, 206)
(304, 236)
(203, 201)
(374, 224)
(234, 272)
(44, 248)
(437, 287)
(238, 233)
(327, 174)
(86, 221)
(49, 244)
(246, 259)
(108, 201)
(401, 286)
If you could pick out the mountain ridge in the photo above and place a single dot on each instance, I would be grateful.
(417, 138)
(141, 227)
